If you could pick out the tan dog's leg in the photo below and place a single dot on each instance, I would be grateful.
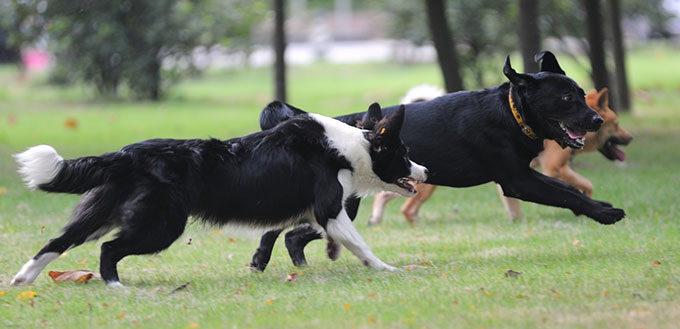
(412, 205)
(555, 163)
(511, 205)
(379, 202)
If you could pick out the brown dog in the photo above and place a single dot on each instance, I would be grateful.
(554, 162)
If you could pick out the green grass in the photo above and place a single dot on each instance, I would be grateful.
(575, 272)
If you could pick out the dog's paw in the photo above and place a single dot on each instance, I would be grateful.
(609, 215)
(333, 250)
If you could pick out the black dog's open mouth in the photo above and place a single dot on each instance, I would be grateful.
(407, 184)
(572, 137)
(611, 150)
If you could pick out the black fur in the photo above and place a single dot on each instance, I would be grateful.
(269, 179)
(470, 138)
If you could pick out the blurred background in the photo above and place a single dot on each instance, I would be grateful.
(108, 63)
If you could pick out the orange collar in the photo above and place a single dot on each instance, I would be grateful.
(518, 117)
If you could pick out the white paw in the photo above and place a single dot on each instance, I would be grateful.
(20, 280)
(116, 284)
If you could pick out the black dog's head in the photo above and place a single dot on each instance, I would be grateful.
(553, 104)
(389, 156)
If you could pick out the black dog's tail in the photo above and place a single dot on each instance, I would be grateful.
(41, 167)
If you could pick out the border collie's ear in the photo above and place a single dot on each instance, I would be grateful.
(277, 112)
(390, 127)
(548, 62)
(373, 115)
(514, 77)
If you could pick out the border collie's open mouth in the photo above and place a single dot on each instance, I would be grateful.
(611, 150)
(571, 136)
(408, 184)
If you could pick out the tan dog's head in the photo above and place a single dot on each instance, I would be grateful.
(610, 136)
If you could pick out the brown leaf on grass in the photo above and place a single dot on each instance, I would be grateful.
(410, 268)
(11, 119)
(26, 295)
(121, 315)
(3, 190)
(42, 229)
(656, 263)
(71, 123)
(78, 276)
(577, 243)
(182, 287)
(512, 274)
(291, 278)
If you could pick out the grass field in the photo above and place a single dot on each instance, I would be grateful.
(574, 272)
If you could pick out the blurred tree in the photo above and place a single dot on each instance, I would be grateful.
(529, 34)
(594, 24)
(444, 44)
(622, 91)
(279, 50)
(142, 44)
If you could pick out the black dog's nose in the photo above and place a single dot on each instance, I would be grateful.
(597, 120)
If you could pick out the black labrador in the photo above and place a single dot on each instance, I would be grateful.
(470, 138)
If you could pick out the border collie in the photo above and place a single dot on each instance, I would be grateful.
(303, 170)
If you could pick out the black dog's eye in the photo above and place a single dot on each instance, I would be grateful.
(566, 98)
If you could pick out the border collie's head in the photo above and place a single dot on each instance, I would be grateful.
(389, 156)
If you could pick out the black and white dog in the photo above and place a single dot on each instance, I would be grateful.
(304, 170)
(470, 138)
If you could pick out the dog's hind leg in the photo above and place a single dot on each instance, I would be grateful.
(263, 253)
(90, 221)
(297, 239)
(411, 207)
(511, 205)
(379, 203)
(145, 232)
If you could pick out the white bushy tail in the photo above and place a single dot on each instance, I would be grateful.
(38, 165)
(422, 93)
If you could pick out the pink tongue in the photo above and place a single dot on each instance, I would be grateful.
(575, 135)
(620, 155)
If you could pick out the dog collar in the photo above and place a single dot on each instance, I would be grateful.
(518, 117)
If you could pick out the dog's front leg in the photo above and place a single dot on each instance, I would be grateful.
(529, 185)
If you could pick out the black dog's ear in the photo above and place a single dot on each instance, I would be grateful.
(388, 130)
(514, 77)
(548, 62)
(277, 112)
(371, 117)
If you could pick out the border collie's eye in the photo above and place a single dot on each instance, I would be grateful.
(566, 97)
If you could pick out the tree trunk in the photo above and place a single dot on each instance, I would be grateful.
(596, 43)
(622, 88)
(528, 34)
(444, 44)
(279, 51)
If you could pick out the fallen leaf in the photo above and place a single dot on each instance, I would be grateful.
(2, 292)
(82, 262)
(11, 119)
(182, 287)
(121, 315)
(512, 274)
(269, 302)
(192, 325)
(656, 263)
(291, 277)
(3, 190)
(71, 123)
(413, 267)
(372, 295)
(26, 295)
(232, 240)
(42, 228)
(348, 307)
(371, 320)
(605, 293)
(576, 243)
(79, 276)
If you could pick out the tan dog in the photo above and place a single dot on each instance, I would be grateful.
(554, 162)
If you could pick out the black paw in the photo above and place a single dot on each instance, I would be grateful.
(258, 263)
(608, 215)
